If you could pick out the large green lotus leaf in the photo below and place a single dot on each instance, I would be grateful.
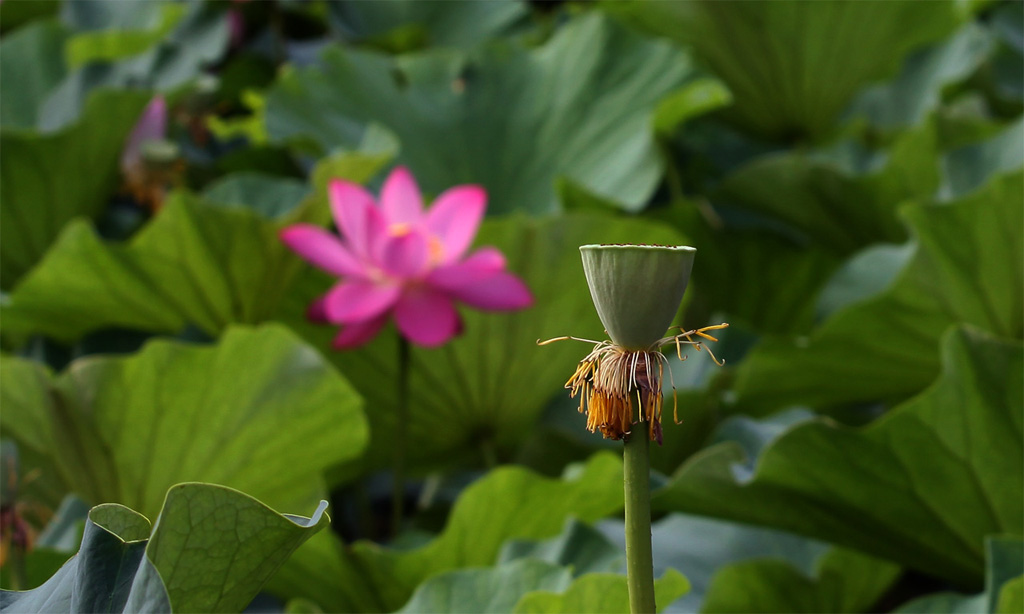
(487, 590)
(789, 63)
(403, 25)
(211, 550)
(911, 96)
(699, 546)
(967, 267)
(922, 486)
(843, 581)
(93, 15)
(511, 119)
(1011, 598)
(968, 168)
(48, 179)
(17, 14)
(1007, 73)
(269, 195)
(868, 273)
(508, 503)
(194, 264)
(600, 593)
(32, 64)
(750, 271)
(117, 43)
(182, 42)
(199, 263)
(580, 547)
(1004, 558)
(260, 411)
(835, 197)
(488, 386)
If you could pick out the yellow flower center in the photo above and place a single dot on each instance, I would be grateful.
(614, 385)
(400, 229)
(435, 250)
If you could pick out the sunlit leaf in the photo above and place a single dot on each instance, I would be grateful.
(197, 263)
(600, 593)
(260, 412)
(508, 503)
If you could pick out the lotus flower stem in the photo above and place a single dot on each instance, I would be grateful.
(401, 418)
(19, 576)
(639, 558)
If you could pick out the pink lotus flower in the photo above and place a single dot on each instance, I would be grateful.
(151, 164)
(399, 260)
(152, 126)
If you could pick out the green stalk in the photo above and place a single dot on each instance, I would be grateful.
(399, 444)
(639, 558)
(19, 577)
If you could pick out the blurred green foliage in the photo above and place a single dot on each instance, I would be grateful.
(850, 173)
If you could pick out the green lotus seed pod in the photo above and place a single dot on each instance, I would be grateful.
(637, 289)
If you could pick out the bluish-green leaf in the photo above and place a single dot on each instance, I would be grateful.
(272, 197)
(404, 25)
(967, 267)
(580, 547)
(486, 591)
(843, 198)
(969, 168)
(1004, 558)
(211, 550)
(511, 119)
(32, 64)
(907, 99)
